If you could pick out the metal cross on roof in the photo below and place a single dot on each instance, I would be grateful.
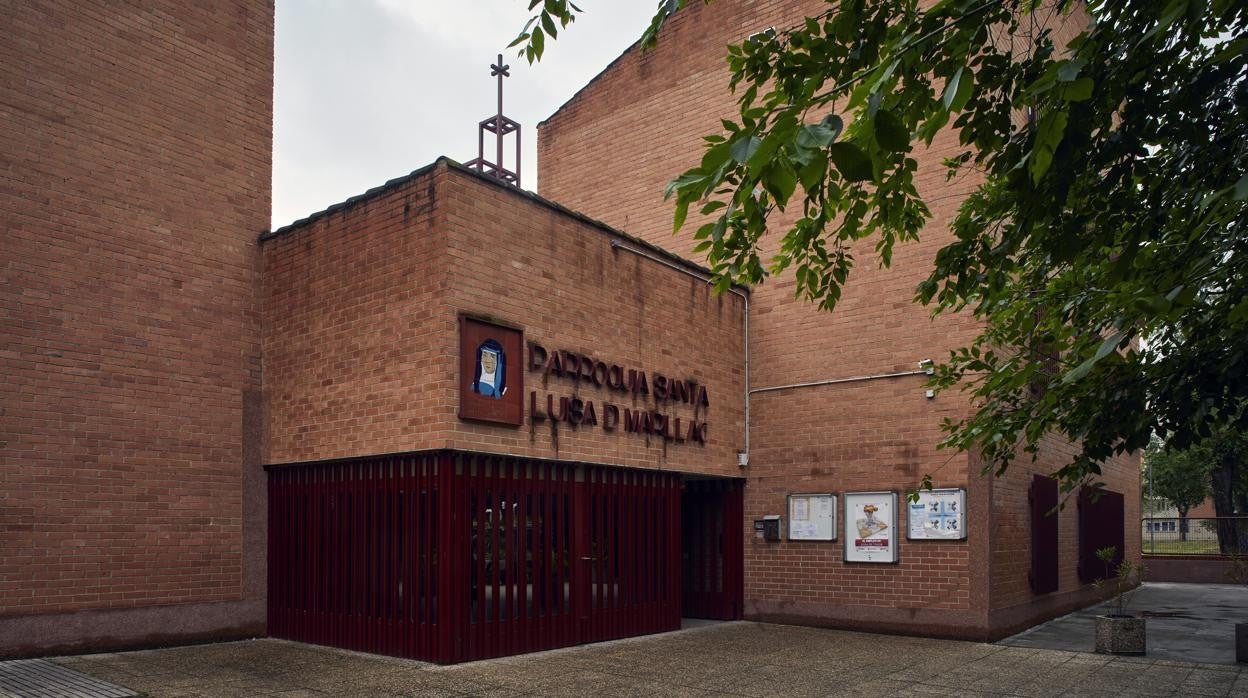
(500, 126)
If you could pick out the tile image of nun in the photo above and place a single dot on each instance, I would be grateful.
(491, 373)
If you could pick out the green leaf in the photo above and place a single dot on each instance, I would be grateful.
(965, 78)
(951, 88)
(890, 133)
(851, 161)
(682, 182)
(1174, 10)
(815, 136)
(1241, 188)
(1079, 90)
(1084, 368)
(781, 182)
(812, 173)
(714, 157)
(744, 148)
(1070, 70)
(537, 43)
(549, 25)
(1049, 135)
(764, 153)
(682, 211)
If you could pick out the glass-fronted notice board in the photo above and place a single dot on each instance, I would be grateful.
(812, 516)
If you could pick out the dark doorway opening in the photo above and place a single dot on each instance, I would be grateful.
(712, 548)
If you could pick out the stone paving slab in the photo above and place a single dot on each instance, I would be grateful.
(1184, 622)
(40, 678)
(739, 659)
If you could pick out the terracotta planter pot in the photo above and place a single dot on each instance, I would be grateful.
(1120, 635)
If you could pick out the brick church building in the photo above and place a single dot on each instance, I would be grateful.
(448, 418)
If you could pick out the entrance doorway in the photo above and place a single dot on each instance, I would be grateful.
(712, 565)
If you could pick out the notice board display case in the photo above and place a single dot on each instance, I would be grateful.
(812, 516)
(940, 514)
(871, 527)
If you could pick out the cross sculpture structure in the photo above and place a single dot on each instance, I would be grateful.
(501, 127)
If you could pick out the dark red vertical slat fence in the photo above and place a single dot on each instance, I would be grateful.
(451, 557)
(353, 554)
(711, 529)
(633, 537)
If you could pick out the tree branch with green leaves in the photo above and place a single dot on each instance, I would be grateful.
(1104, 250)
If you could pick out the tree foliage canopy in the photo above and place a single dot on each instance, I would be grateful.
(1179, 477)
(1103, 245)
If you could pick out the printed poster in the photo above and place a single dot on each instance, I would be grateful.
(871, 527)
(938, 515)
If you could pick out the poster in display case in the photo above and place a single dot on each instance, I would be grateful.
(940, 514)
(871, 527)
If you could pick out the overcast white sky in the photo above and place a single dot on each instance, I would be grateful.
(368, 90)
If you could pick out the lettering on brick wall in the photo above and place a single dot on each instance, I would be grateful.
(665, 392)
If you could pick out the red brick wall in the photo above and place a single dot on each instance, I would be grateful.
(561, 280)
(649, 111)
(1011, 532)
(870, 435)
(623, 136)
(361, 327)
(354, 349)
(136, 143)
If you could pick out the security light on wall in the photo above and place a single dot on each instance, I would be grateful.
(927, 366)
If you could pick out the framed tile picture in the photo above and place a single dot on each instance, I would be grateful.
(491, 376)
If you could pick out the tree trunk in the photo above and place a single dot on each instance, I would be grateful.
(1223, 479)
(1241, 524)
(1183, 523)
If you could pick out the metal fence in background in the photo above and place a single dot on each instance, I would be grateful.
(1195, 536)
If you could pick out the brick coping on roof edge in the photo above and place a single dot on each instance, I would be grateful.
(454, 166)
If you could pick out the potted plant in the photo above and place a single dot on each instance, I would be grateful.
(1119, 632)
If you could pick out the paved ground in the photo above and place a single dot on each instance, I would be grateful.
(40, 678)
(1186, 622)
(729, 659)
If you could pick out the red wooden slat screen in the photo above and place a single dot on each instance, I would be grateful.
(451, 557)
(352, 554)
